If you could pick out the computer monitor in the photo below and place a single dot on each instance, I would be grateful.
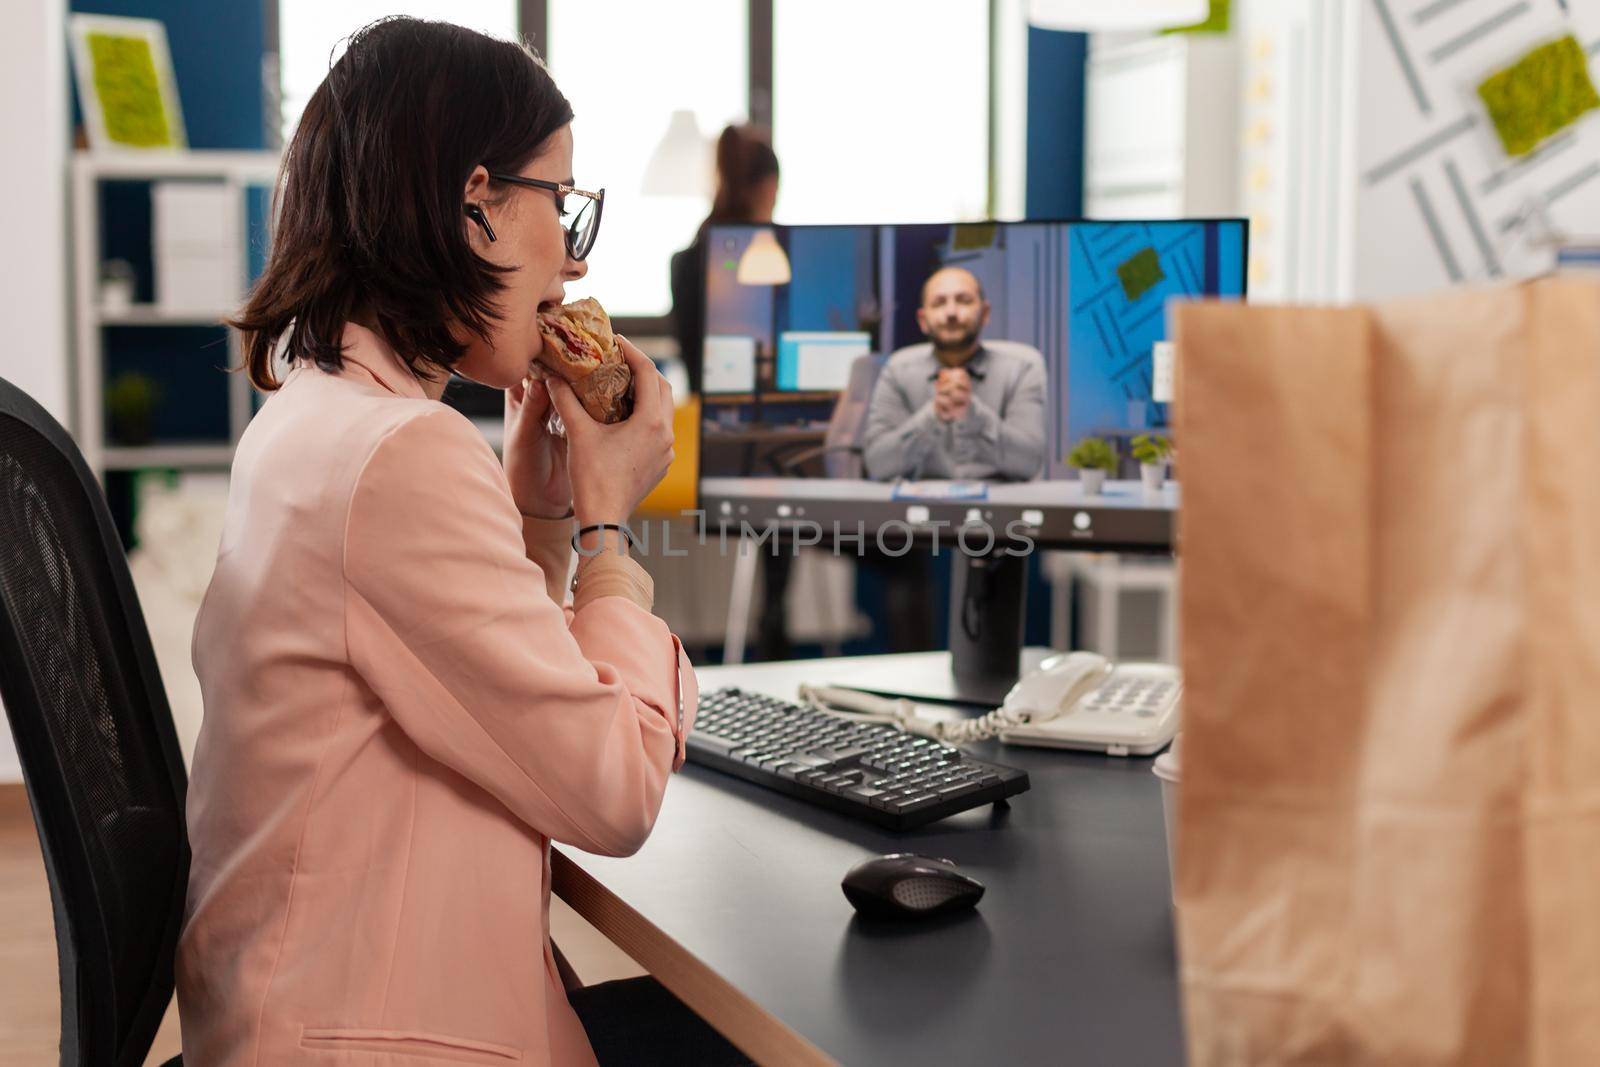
(842, 430)
(811, 360)
(730, 364)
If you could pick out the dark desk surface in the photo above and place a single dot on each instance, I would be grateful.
(1125, 517)
(1069, 957)
(713, 434)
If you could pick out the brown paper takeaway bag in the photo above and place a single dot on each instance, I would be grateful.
(1389, 846)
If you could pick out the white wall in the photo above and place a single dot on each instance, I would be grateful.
(1299, 80)
(1010, 86)
(1438, 198)
(1370, 170)
(33, 202)
(33, 211)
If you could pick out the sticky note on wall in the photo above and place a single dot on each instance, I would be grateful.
(1540, 94)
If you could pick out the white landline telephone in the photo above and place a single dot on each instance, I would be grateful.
(1073, 700)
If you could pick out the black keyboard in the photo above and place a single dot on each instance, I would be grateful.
(871, 771)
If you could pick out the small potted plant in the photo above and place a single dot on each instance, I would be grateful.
(1152, 450)
(131, 400)
(1094, 460)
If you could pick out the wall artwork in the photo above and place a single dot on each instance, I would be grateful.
(125, 83)
(1538, 96)
(1478, 144)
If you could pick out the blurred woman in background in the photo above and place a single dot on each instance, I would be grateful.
(747, 191)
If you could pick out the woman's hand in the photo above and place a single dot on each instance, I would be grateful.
(535, 458)
(615, 466)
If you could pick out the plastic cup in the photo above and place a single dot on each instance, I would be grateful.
(1168, 769)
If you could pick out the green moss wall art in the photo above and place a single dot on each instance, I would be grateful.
(130, 92)
(1140, 273)
(1218, 20)
(125, 83)
(1539, 95)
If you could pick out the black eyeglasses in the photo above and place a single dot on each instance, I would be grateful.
(585, 224)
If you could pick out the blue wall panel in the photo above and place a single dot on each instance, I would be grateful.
(1056, 62)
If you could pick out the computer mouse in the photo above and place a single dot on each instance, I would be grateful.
(902, 885)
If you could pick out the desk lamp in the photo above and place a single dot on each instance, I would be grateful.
(1090, 16)
(680, 165)
(764, 262)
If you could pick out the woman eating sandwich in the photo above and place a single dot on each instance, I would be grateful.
(402, 709)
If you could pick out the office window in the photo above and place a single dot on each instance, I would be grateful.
(311, 35)
(881, 110)
(626, 65)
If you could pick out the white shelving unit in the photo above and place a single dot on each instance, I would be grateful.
(154, 316)
(238, 172)
(1161, 131)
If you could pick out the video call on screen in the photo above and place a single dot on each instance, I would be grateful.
(790, 369)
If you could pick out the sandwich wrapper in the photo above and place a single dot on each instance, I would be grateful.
(1390, 831)
(598, 373)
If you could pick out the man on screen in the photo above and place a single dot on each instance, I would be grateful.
(953, 408)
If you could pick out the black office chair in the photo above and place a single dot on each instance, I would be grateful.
(841, 454)
(99, 753)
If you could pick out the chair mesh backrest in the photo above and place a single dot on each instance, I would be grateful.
(95, 737)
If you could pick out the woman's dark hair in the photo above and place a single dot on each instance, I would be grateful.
(745, 160)
(369, 198)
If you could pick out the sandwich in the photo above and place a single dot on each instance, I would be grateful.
(579, 346)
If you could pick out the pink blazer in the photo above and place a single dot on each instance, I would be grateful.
(399, 719)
